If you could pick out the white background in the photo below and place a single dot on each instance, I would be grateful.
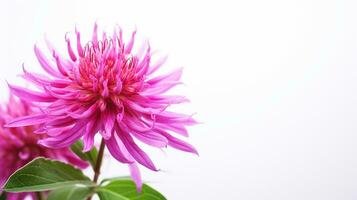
(274, 83)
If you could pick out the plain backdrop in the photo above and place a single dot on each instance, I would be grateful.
(273, 83)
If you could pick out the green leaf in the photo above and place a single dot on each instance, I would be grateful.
(42, 174)
(90, 156)
(3, 196)
(71, 193)
(124, 189)
(104, 181)
(110, 195)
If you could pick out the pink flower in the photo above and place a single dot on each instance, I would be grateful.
(105, 87)
(18, 146)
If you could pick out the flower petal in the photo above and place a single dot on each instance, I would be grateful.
(45, 63)
(157, 65)
(30, 95)
(139, 155)
(170, 77)
(108, 119)
(84, 112)
(66, 138)
(151, 138)
(130, 45)
(179, 144)
(70, 50)
(136, 176)
(116, 151)
(90, 131)
(27, 120)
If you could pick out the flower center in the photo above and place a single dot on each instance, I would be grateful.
(106, 74)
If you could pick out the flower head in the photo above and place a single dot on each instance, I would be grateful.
(105, 87)
(18, 146)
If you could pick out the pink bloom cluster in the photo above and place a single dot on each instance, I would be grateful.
(18, 146)
(104, 87)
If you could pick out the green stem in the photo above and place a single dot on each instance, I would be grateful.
(98, 163)
(39, 196)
